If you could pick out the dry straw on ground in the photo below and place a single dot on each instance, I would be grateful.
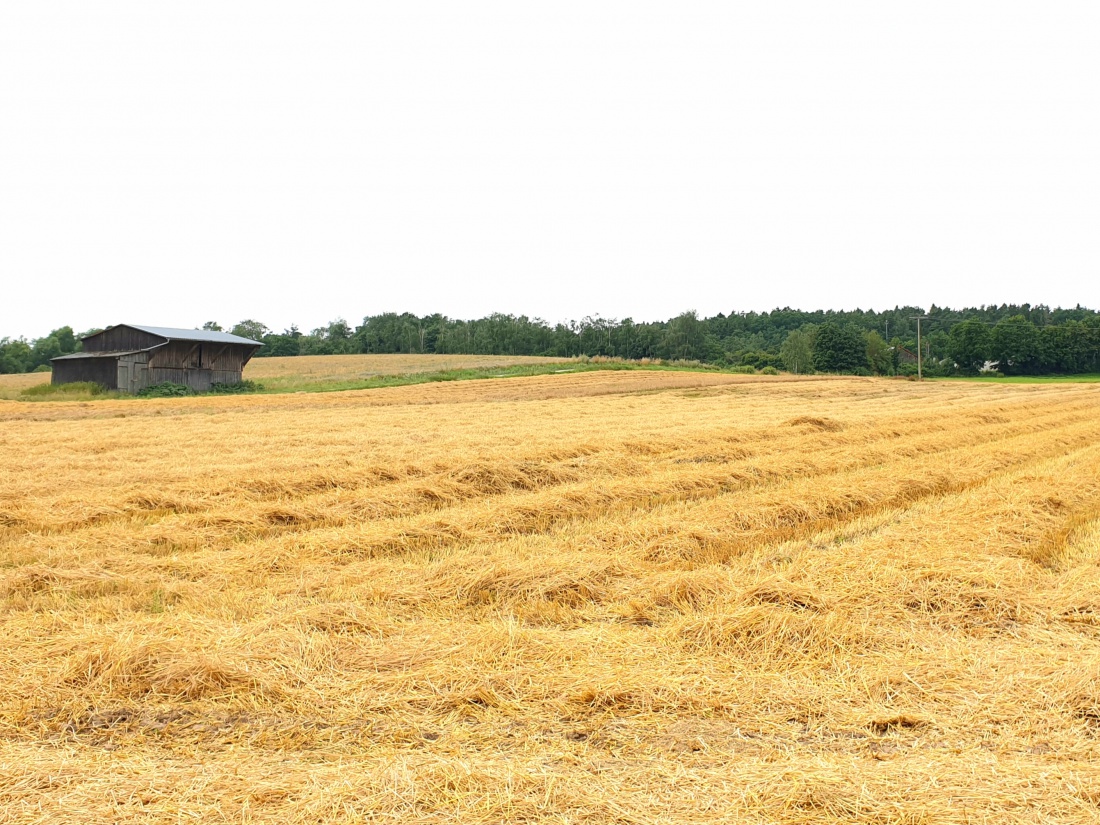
(626, 597)
(11, 385)
(325, 368)
(316, 370)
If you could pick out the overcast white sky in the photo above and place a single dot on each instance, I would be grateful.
(172, 163)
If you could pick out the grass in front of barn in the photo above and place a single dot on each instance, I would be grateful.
(587, 597)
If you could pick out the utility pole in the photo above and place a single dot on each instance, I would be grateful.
(918, 319)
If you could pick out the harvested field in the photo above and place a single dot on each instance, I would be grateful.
(310, 371)
(624, 597)
(322, 369)
(13, 384)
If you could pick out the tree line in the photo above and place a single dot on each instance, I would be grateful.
(1014, 339)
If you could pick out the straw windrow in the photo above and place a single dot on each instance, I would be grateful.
(620, 597)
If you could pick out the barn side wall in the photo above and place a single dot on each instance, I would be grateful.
(201, 355)
(200, 380)
(100, 370)
(133, 372)
(120, 339)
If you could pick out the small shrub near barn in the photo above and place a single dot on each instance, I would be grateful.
(236, 388)
(169, 390)
(165, 389)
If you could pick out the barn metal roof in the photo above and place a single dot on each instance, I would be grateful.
(114, 354)
(207, 335)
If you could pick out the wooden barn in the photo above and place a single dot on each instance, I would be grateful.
(129, 357)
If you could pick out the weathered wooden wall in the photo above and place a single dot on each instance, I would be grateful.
(133, 372)
(199, 380)
(198, 364)
(100, 370)
(201, 355)
(120, 339)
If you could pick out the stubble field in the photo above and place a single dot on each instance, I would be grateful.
(310, 372)
(625, 597)
(326, 370)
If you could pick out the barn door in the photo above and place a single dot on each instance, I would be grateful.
(124, 375)
(140, 376)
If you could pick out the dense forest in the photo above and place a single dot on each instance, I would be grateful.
(1014, 339)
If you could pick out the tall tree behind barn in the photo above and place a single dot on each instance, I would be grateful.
(129, 357)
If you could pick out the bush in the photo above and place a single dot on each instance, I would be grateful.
(939, 369)
(165, 389)
(43, 368)
(83, 387)
(743, 370)
(236, 388)
(761, 359)
(769, 371)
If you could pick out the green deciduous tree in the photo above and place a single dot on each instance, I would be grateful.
(970, 345)
(1016, 345)
(797, 351)
(66, 339)
(15, 356)
(43, 350)
(280, 345)
(253, 330)
(839, 349)
(879, 356)
(687, 338)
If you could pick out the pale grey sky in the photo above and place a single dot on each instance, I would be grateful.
(172, 163)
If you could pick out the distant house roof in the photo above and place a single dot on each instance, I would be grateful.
(207, 335)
